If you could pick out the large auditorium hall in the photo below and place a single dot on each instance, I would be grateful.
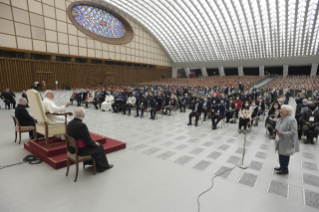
(159, 105)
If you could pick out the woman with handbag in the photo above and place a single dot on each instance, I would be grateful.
(286, 141)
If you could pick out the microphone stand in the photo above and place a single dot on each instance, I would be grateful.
(241, 164)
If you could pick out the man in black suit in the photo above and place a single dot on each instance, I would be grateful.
(80, 97)
(184, 102)
(9, 98)
(310, 121)
(218, 112)
(24, 117)
(120, 101)
(141, 105)
(79, 131)
(196, 110)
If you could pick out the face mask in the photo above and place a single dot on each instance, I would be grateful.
(305, 104)
(276, 107)
(246, 105)
(237, 97)
(205, 99)
(214, 95)
(230, 101)
(253, 104)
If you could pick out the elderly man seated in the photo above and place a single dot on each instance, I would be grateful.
(24, 117)
(86, 146)
(51, 107)
(310, 121)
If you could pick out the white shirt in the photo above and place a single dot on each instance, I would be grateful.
(50, 106)
(131, 100)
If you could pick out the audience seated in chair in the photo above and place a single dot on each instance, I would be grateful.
(120, 101)
(89, 99)
(74, 96)
(157, 106)
(273, 116)
(184, 101)
(299, 111)
(99, 97)
(131, 101)
(244, 116)
(206, 106)
(218, 113)
(107, 104)
(196, 111)
(86, 146)
(171, 104)
(9, 98)
(230, 110)
(80, 97)
(310, 122)
(141, 105)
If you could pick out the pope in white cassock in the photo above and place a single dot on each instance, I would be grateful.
(50, 106)
(107, 104)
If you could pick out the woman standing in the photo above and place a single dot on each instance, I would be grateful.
(287, 138)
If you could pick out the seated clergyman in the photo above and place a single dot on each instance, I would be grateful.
(51, 107)
(86, 145)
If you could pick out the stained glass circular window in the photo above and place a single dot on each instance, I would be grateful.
(100, 23)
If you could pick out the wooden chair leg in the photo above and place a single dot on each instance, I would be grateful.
(94, 166)
(16, 137)
(20, 137)
(68, 166)
(77, 171)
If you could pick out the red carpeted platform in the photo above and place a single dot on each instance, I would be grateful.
(55, 155)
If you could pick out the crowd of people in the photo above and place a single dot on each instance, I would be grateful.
(244, 106)
(295, 82)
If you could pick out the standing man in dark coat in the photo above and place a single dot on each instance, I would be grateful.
(9, 98)
(79, 131)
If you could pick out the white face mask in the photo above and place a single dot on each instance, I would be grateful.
(246, 105)
(237, 97)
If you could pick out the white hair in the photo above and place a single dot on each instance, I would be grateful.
(79, 112)
(47, 91)
(21, 100)
(288, 108)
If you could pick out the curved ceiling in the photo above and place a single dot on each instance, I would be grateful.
(215, 30)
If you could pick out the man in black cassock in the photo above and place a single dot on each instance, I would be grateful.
(79, 131)
(9, 98)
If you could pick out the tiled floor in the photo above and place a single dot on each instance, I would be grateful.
(166, 165)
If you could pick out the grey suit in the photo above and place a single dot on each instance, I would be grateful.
(288, 142)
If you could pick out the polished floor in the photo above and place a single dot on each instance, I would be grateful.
(165, 166)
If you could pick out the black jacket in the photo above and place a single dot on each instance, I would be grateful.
(25, 96)
(8, 96)
(81, 96)
(23, 116)
(228, 106)
(208, 104)
(307, 114)
(199, 107)
(144, 101)
(78, 130)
